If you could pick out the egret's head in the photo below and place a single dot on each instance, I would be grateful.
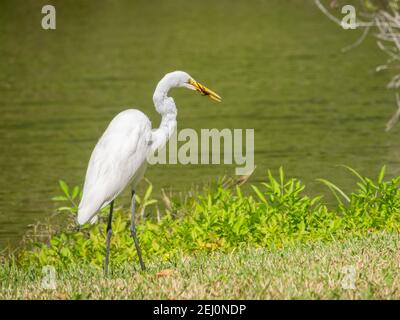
(182, 79)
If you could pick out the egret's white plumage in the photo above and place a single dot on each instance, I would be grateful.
(119, 157)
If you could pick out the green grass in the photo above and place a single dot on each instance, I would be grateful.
(304, 271)
(275, 242)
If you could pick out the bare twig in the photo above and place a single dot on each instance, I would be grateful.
(387, 25)
(336, 20)
(359, 40)
(395, 118)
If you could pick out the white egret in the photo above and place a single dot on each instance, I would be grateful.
(119, 157)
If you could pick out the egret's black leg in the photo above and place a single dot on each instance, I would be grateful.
(133, 231)
(109, 233)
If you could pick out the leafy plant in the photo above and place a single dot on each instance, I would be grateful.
(146, 200)
(277, 214)
(70, 197)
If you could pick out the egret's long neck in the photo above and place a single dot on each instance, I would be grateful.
(165, 106)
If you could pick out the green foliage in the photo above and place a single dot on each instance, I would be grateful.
(277, 214)
(71, 197)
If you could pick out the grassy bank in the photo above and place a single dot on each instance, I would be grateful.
(310, 271)
(275, 242)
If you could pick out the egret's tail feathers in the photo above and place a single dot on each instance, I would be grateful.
(87, 213)
(94, 219)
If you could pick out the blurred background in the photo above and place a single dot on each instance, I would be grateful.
(277, 64)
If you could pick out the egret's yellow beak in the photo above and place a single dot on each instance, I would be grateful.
(204, 90)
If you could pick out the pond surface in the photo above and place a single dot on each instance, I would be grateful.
(277, 65)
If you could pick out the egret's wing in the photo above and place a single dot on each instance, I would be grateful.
(115, 160)
(109, 165)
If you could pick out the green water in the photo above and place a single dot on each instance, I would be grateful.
(277, 65)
